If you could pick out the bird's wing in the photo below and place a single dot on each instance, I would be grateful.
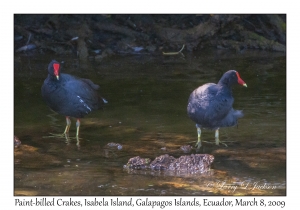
(90, 83)
(221, 104)
(199, 102)
(82, 91)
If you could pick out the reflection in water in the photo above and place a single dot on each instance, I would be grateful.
(147, 117)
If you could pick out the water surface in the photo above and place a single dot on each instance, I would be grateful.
(147, 112)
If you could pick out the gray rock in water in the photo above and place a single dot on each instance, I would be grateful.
(190, 164)
(193, 163)
(17, 142)
(114, 145)
(162, 162)
(186, 148)
(138, 163)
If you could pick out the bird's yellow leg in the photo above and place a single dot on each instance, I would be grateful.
(65, 134)
(77, 127)
(198, 144)
(77, 132)
(67, 126)
(217, 137)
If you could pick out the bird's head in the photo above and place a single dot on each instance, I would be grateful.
(54, 68)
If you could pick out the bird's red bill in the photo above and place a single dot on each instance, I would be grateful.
(56, 68)
(240, 81)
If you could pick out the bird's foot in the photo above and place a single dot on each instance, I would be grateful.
(66, 137)
(209, 142)
(223, 143)
(63, 136)
(219, 142)
(78, 142)
(198, 144)
(55, 135)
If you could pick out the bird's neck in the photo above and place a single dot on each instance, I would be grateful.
(224, 84)
(225, 88)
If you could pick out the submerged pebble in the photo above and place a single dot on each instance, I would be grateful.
(186, 148)
(114, 145)
(17, 142)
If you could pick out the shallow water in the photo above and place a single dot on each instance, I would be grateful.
(147, 112)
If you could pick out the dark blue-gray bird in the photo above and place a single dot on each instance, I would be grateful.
(69, 95)
(210, 105)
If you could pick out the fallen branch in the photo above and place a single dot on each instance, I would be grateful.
(174, 53)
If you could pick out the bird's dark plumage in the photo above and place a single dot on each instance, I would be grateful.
(210, 105)
(69, 95)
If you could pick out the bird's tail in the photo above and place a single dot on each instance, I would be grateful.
(104, 100)
(238, 113)
(101, 102)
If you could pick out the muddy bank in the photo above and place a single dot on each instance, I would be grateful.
(94, 37)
